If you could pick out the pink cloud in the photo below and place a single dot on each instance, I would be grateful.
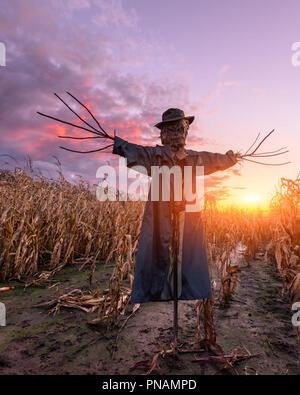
(223, 69)
(258, 91)
(69, 54)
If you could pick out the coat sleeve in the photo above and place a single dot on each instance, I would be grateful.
(136, 155)
(213, 162)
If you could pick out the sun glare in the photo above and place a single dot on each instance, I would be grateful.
(252, 198)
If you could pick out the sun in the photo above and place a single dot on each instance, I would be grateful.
(252, 198)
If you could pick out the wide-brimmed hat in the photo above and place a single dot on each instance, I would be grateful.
(173, 114)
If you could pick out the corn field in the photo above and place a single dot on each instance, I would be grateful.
(47, 224)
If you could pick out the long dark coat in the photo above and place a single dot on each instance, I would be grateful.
(153, 255)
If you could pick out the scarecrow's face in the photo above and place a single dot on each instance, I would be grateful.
(174, 133)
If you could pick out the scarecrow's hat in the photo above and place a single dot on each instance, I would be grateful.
(173, 114)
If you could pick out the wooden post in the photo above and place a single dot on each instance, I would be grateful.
(175, 275)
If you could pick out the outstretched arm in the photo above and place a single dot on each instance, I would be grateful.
(213, 162)
(136, 155)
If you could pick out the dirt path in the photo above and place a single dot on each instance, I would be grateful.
(34, 342)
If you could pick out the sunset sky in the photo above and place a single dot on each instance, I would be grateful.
(229, 63)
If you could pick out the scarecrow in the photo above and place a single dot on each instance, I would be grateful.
(168, 232)
(171, 262)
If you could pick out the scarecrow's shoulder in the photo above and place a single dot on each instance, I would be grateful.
(161, 150)
(192, 152)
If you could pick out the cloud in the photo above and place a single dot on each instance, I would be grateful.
(216, 194)
(236, 172)
(214, 184)
(230, 83)
(92, 49)
(223, 69)
(258, 91)
(112, 12)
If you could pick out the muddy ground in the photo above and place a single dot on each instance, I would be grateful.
(34, 342)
